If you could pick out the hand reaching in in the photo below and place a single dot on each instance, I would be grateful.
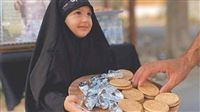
(176, 70)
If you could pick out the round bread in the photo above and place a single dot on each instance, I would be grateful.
(124, 87)
(149, 89)
(155, 106)
(149, 97)
(170, 98)
(128, 105)
(127, 74)
(120, 82)
(133, 94)
(174, 109)
(175, 104)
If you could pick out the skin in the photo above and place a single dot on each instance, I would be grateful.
(176, 69)
(79, 21)
(72, 104)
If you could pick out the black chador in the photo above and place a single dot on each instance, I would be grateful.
(60, 57)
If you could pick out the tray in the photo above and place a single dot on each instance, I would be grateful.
(74, 90)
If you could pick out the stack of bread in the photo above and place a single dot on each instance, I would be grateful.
(145, 98)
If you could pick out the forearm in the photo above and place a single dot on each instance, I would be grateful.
(192, 55)
(54, 92)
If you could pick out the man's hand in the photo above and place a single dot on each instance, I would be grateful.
(176, 70)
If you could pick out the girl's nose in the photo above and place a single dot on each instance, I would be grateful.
(85, 18)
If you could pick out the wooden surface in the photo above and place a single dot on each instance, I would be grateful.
(74, 87)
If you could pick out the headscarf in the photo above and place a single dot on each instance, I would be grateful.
(59, 51)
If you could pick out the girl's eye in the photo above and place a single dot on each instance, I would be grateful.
(89, 14)
(78, 12)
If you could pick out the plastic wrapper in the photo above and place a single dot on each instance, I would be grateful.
(99, 93)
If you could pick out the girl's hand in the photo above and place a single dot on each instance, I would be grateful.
(72, 104)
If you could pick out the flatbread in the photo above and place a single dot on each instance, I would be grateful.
(127, 74)
(174, 109)
(133, 94)
(149, 89)
(124, 87)
(120, 82)
(128, 105)
(155, 106)
(170, 98)
(149, 97)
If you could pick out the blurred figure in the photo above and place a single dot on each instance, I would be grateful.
(176, 69)
(32, 12)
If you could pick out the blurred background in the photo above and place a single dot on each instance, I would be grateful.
(159, 29)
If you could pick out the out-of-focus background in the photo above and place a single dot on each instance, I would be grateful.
(159, 29)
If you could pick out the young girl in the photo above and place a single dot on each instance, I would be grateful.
(70, 44)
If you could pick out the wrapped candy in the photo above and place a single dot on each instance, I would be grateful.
(114, 74)
(84, 87)
(99, 93)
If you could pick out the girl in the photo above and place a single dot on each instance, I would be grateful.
(70, 44)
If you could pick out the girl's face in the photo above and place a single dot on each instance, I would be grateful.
(79, 21)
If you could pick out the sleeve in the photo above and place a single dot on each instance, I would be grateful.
(54, 93)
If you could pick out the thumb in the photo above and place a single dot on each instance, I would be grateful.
(77, 99)
(73, 98)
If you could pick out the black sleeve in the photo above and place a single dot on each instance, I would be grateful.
(54, 102)
(54, 93)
